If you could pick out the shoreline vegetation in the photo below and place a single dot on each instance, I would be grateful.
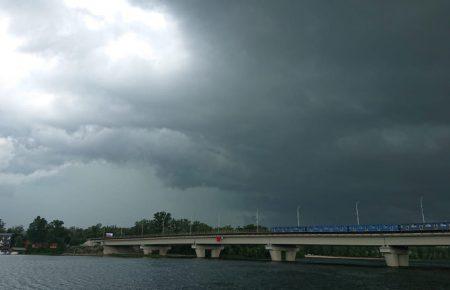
(53, 238)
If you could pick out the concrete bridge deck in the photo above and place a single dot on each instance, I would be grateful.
(393, 246)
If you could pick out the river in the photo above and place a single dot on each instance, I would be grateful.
(67, 272)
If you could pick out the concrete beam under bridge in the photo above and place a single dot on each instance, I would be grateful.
(276, 250)
(162, 250)
(200, 250)
(119, 250)
(395, 256)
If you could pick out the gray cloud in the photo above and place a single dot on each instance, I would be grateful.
(265, 104)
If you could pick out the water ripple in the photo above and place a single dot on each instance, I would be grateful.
(46, 272)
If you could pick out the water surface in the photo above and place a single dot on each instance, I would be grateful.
(65, 272)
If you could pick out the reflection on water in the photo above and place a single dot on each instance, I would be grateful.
(44, 272)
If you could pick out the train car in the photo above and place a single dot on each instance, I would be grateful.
(326, 229)
(425, 227)
(382, 228)
(314, 229)
(442, 226)
(371, 228)
(276, 230)
(358, 228)
(411, 227)
(339, 229)
(390, 228)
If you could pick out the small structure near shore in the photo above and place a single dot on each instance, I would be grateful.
(5, 243)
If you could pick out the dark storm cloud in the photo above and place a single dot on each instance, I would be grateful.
(331, 102)
(279, 103)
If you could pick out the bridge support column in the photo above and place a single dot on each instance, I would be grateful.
(215, 253)
(162, 250)
(291, 254)
(118, 250)
(395, 256)
(275, 255)
(200, 250)
(275, 252)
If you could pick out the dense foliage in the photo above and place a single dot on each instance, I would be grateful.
(40, 232)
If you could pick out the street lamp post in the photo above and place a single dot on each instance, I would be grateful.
(257, 220)
(421, 209)
(218, 222)
(163, 221)
(357, 212)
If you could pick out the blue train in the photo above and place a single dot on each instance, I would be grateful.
(376, 228)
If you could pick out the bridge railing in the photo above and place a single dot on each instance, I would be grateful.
(196, 233)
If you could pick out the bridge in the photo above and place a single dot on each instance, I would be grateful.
(393, 246)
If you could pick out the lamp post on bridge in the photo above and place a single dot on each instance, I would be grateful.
(421, 209)
(298, 216)
(163, 221)
(218, 222)
(257, 220)
(191, 222)
(357, 212)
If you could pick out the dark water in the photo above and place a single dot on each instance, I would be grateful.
(43, 272)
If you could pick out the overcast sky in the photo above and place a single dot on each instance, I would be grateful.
(111, 110)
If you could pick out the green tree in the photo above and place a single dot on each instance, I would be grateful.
(115, 230)
(199, 227)
(252, 228)
(226, 229)
(38, 230)
(142, 227)
(18, 237)
(180, 226)
(77, 236)
(161, 219)
(2, 226)
(57, 233)
(95, 231)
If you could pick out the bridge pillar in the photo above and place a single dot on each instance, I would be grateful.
(163, 250)
(151, 249)
(395, 256)
(275, 255)
(118, 250)
(200, 250)
(215, 253)
(291, 254)
(275, 252)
